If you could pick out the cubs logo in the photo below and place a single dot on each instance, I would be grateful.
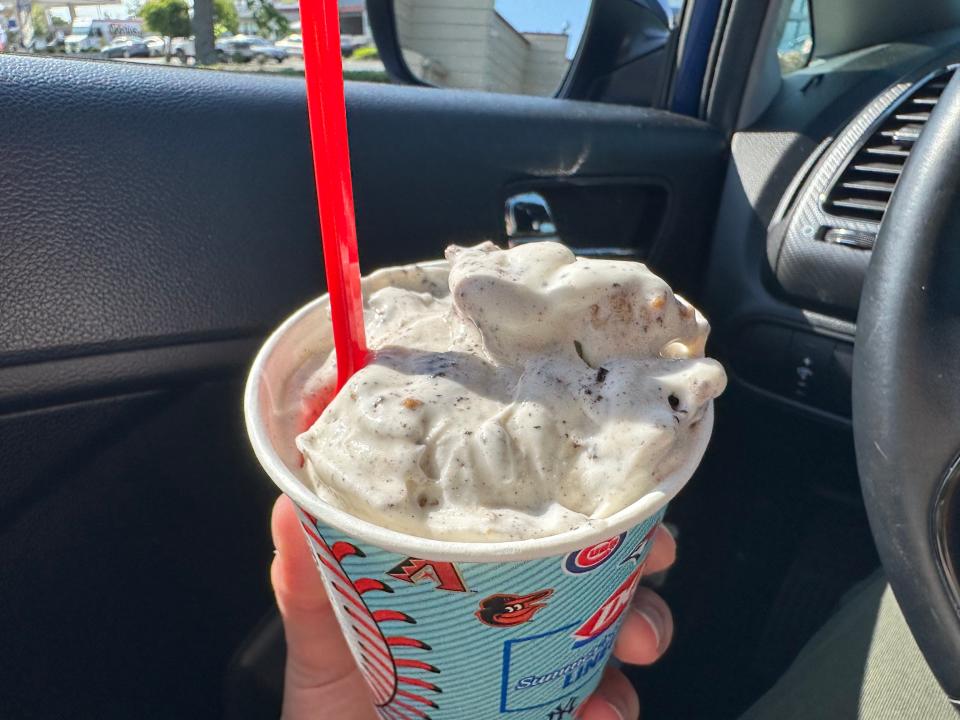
(639, 552)
(444, 574)
(504, 610)
(609, 612)
(590, 558)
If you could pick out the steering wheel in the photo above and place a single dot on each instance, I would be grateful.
(906, 391)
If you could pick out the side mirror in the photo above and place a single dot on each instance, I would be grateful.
(612, 50)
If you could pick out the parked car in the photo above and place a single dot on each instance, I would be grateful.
(126, 47)
(56, 42)
(293, 44)
(156, 45)
(266, 50)
(37, 45)
(350, 43)
(183, 48)
(234, 48)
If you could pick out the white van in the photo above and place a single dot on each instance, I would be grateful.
(91, 34)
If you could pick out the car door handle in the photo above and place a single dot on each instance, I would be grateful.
(528, 218)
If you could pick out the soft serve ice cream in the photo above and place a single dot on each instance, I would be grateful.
(513, 394)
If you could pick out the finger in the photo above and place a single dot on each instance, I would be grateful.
(320, 667)
(646, 631)
(663, 553)
(614, 699)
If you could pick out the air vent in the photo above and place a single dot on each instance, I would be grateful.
(863, 189)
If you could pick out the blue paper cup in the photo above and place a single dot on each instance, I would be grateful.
(456, 630)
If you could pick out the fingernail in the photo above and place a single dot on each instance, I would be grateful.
(612, 703)
(651, 609)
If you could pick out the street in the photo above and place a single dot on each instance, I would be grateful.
(291, 65)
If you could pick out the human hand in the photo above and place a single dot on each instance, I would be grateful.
(321, 672)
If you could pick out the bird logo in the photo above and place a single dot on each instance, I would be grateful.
(505, 610)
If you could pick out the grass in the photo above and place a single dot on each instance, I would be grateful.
(365, 53)
(376, 76)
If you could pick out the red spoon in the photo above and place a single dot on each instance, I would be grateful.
(320, 23)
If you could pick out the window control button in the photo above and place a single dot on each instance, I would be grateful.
(809, 366)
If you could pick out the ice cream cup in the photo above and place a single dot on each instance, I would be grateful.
(457, 630)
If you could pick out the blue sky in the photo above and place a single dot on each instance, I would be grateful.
(525, 15)
(94, 11)
(547, 16)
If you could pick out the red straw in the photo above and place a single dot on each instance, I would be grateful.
(320, 23)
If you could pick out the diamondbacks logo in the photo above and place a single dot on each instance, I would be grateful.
(590, 558)
(609, 612)
(444, 574)
(504, 610)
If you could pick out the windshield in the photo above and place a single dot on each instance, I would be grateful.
(795, 44)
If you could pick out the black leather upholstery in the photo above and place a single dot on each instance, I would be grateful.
(906, 409)
(140, 206)
(154, 223)
(147, 207)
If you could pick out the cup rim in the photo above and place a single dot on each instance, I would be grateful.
(589, 533)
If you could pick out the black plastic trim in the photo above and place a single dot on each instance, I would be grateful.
(24, 387)
(383, 23)
(826, 276)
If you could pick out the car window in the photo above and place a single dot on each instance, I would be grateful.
(516, 46)
(795, 46)
(261, 36)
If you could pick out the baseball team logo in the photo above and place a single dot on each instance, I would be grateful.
(396, 689)
(550, 646)
(609, 612)
(639, 552)
(444, 574)
(504, 610)
(590, 558)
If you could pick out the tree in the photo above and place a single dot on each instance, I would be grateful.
(270, 21)
(167, 17)
(225, 18)
(38, 17)
(203, 31)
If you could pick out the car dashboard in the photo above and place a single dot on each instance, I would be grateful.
(805, 194)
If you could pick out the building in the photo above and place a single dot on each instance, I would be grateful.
(468, 44)
(353, 16)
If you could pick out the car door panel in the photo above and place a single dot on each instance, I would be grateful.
(155, 224)
(191, 213)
